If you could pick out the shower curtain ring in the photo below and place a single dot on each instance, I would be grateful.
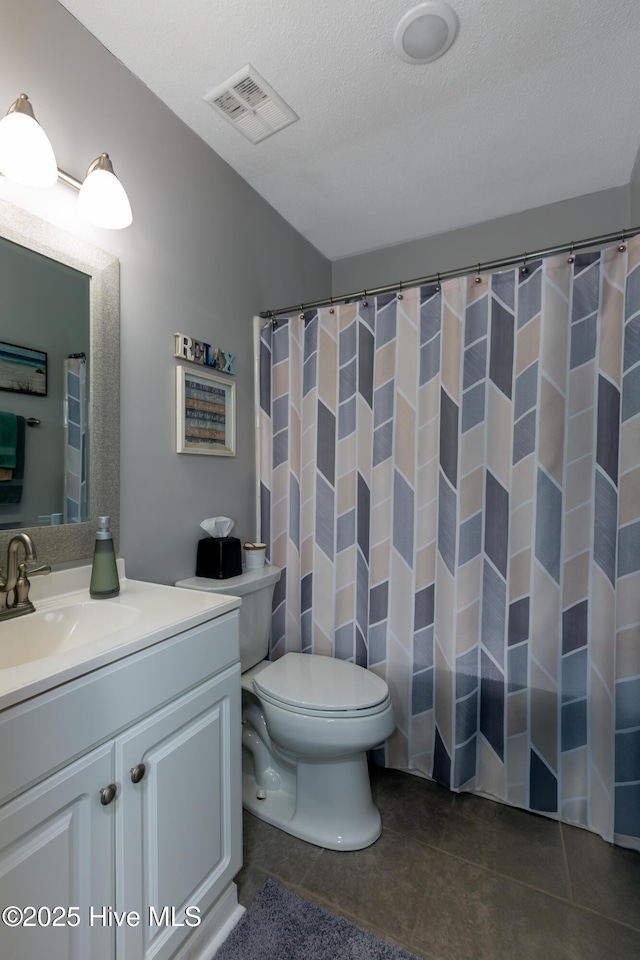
(438, 284)
(331, 310)
(622, 246)
(571, 258)
(478, 278)
(400, 297)
(365, 302)
(524, 269)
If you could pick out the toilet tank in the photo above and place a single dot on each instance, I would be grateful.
(255, 587)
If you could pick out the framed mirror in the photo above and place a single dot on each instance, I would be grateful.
(60, 376)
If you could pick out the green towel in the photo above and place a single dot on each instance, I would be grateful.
(11, 490)
(8, 439)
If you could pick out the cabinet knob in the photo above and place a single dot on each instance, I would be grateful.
(138, 772)
(107, 794)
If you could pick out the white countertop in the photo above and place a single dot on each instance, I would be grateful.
(148, 613)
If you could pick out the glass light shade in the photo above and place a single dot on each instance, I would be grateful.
(425, 32)
(26, 155)
(104, 202)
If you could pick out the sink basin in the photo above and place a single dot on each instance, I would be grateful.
(70, 635)
(48, 632)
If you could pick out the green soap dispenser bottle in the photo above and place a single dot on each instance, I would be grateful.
(104, 573)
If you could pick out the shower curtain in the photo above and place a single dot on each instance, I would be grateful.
(450, 481)
(75, 439)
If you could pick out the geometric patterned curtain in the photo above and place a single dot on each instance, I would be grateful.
(75, 509)
(450, 481)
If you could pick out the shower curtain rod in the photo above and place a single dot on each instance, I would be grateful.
(572, 247)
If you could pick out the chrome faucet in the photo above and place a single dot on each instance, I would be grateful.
(14, 588)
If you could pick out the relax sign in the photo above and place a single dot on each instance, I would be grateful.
(187, 348)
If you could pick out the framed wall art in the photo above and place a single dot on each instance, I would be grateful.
(23, 370)
(206, 414)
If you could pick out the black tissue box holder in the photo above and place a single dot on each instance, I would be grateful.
(219, 558)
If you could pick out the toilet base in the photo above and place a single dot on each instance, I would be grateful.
(328, 803)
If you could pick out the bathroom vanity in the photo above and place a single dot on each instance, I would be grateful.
(120, 796)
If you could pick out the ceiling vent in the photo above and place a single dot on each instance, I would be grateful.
(251, 105)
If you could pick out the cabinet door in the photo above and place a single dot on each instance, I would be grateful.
(56, 850)
(179, 828)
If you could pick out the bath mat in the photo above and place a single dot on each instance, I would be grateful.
(280, 925)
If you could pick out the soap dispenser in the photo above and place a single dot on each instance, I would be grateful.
(104, 573)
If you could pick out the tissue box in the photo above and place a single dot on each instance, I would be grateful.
(219, 558)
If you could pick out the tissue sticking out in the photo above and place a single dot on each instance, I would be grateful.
(217, 526)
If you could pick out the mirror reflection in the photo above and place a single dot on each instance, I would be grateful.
(44, 389)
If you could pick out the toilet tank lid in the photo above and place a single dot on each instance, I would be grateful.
(247, 582)
(320, 683)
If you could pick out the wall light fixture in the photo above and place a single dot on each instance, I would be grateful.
(26, 156)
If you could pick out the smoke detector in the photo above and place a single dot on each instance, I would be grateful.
(253, 107)
(425, 32)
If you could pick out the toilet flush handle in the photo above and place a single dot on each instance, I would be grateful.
(138, 772)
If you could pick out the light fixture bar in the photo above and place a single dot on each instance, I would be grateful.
(100, 163)
(65, 177)
(69, 180)
(27, 157)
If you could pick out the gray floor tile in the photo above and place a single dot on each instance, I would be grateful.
(411, 805)
(604, 878)
(471, 914)
(284, 857)
(513, 842)
(249, 882)
(471, 898)
(381, 885)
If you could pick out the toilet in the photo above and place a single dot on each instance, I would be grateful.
(308, 722)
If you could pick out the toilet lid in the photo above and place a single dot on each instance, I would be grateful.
(320, 683)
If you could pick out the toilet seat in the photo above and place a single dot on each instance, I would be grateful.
(321, 686)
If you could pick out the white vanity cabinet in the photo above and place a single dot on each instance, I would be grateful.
(176, 824)
(162, 727)
(56, 849)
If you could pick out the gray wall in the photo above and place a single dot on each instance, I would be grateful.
(204, 254)
(634, 188)
(543, 227)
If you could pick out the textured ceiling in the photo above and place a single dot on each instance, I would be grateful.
(535, 102)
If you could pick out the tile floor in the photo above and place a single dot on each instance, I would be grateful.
(456, 877)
